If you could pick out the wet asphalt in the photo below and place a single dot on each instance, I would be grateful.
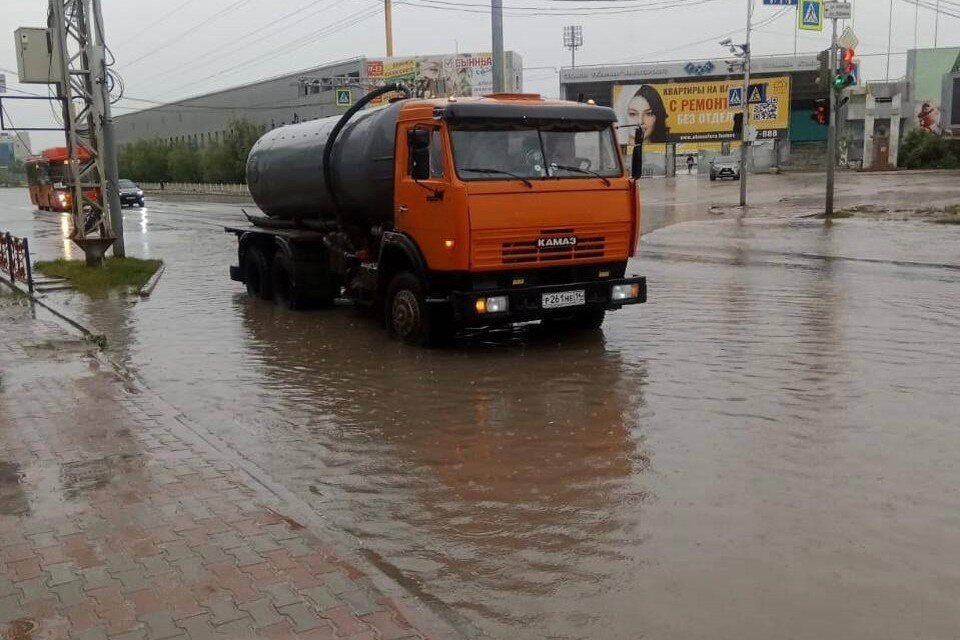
(768, 448)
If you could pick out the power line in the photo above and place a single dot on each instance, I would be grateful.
(539, 12)
(234, 5)
(309, 38)
(153, 23)
(244, 43)
(16, 131)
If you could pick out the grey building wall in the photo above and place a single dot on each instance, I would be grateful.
(270, 103)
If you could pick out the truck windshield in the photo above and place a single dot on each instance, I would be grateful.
(488, 151)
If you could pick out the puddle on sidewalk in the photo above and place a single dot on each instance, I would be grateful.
(13, 499)
(85, 476)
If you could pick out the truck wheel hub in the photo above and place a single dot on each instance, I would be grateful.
(406, 313)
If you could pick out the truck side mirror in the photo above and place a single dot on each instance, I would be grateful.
(418, 140)
(636, 162)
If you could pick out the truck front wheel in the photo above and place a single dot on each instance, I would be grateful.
(256, 273)
(406, 309)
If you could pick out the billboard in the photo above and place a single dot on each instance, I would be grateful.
(460, 74)
(935, 88)
(675, 112)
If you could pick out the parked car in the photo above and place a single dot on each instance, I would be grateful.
(725, 167)
(130, 193)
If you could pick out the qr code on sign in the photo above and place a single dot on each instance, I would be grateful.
(768, 110)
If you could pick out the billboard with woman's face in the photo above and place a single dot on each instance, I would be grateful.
(698, 111)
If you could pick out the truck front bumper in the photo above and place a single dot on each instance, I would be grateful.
(527, 303)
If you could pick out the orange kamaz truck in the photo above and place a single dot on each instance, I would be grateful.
(442, 214)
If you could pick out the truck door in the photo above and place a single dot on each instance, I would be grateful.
(424, 209)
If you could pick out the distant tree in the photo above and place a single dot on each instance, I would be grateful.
(185, 163)
(224, 161)
(925, 150)
(144, 161)
(229, 158)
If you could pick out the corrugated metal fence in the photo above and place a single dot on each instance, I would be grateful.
(193, 187)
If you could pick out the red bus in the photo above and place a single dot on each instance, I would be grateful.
(47, 177)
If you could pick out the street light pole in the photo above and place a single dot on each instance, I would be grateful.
(745, 133)
(496, 19)
(832, 128)
(388, 25)
(573, 40)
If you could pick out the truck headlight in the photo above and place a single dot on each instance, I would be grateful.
(495, 304)
(624, 291)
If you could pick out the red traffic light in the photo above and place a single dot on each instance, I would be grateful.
(848, 55)
(821, 113)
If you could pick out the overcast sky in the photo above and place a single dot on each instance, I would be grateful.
(177, 48)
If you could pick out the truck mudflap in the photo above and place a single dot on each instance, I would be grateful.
(538, 302)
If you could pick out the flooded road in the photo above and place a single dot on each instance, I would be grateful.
(770, 448)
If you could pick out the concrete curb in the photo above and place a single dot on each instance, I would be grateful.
(88, 332)
(148, 288)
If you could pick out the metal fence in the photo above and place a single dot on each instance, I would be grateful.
(194, 187)
(15, 259)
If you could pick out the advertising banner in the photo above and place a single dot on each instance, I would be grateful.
(699, 111)
(462, 74)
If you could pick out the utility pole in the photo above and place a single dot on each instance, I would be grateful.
(496, 19)
(108, 149)
(388, 25)
(83, 89)
(832, 128)
(889, 39)
(745, 134)
(936, 24)
(573, 40)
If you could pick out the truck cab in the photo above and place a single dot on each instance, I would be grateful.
(506, 208)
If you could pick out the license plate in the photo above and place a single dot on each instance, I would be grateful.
(560, 299)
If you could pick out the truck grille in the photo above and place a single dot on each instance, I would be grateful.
(520, 247)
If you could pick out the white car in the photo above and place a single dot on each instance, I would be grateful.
(725, 167)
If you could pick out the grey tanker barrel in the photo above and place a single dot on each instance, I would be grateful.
(285, 168)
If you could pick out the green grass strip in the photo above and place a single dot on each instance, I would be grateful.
(97, 282)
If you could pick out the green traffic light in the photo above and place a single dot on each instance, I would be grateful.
(839, 82)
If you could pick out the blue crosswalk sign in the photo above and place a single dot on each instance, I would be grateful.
(735, 96)
(756, 94)
(811, 15)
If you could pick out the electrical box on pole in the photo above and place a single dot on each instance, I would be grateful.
(38, 61)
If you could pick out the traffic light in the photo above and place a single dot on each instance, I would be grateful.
(821, 113)
(823, 77)
(845, 77)
(738, 126)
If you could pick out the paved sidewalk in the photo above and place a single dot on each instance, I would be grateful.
(116, 522)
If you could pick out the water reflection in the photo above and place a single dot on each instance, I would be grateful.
(512, 466)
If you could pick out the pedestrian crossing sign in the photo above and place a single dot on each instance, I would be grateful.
(756, 94)
(344, 98)
(810, 15)
(735, 96)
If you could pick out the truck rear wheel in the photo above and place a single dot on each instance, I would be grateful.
(281, 279)
(256, 274)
